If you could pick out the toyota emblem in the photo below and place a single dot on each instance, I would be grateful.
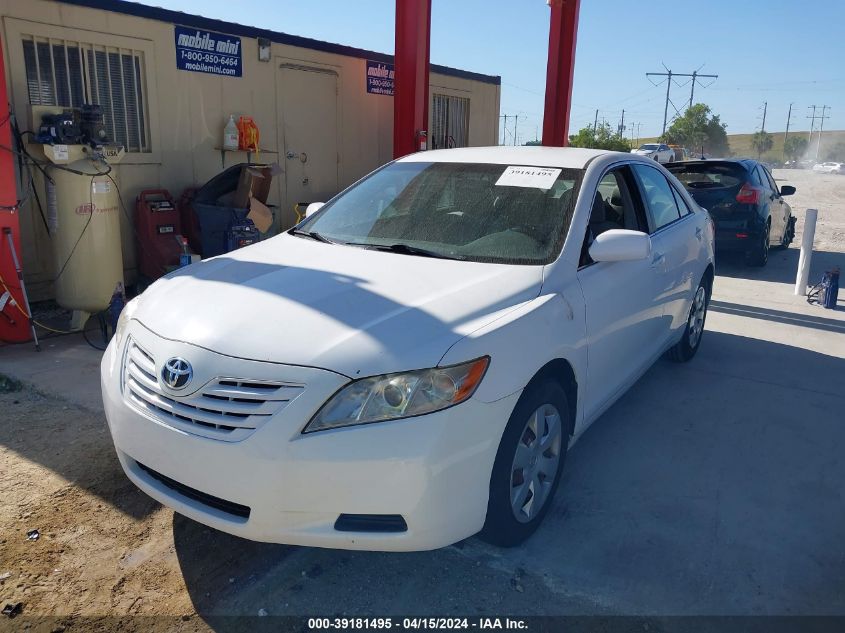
(177, 373)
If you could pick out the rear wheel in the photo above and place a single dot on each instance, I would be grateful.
(759, 255)
(528, 464)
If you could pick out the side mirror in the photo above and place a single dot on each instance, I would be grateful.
(787, 190)
(312, 208)
(620, 245)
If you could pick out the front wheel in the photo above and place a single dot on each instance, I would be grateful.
(686, 348)
(528, 464)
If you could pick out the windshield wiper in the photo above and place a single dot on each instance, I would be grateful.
(407, 249)
(313, 235)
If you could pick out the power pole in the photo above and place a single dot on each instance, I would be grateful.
(596, 122)
(622, 124)
(695, 77)
(504, 129)
(669, 74)
(786, 134)
(765, 107)
(821, 129)
(666, 107)
(812, 123)
(515, 121)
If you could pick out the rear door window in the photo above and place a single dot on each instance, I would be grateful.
(681, 202)
(659, 199)
(771, 181)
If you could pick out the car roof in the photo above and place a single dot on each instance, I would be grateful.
(530, 155)
(748, 163)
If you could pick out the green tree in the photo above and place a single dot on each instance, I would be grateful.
(795, 147)
(762, 141)
(698, 129)
(603, 137)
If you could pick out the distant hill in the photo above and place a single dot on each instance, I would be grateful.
(740, 144)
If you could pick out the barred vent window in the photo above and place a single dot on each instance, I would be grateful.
(68, 74)
(450, 122)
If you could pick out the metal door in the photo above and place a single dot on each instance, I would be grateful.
(308, 130)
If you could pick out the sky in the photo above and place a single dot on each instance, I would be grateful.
(774, 51)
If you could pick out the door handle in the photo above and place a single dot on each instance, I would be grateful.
(657, 260)
(698, 233)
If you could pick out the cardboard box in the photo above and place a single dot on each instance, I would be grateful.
(254, 182)
(260, 215)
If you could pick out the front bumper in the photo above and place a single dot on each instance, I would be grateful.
(433, 470)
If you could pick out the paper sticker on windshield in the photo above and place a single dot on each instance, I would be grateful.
(534, 177)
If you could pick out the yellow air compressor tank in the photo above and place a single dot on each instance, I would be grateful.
(84, 219)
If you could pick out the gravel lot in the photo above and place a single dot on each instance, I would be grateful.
(713, 488)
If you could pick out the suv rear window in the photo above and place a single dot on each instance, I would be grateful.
(709, 176)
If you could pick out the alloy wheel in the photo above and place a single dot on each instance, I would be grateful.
(696, 316)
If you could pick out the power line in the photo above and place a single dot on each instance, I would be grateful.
(669, 74)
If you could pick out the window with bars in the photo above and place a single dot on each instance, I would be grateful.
(67, 74)
(449, 122)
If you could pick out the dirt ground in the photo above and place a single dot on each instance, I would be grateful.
(105, 548)
(825, 192)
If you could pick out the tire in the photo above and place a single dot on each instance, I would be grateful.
(505, 525)
(788, 235)
(686, 348)
(759, 256)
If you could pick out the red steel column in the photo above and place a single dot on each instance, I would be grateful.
(563, 30)
(19, 330)
(410, 99)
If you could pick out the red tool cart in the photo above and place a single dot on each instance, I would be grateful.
(159, 232)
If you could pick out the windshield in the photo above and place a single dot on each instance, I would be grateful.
(648, 146)
(476, 212)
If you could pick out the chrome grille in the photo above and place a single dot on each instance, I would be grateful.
(224, 408)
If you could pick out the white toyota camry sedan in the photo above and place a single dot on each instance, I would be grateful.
(409, 365)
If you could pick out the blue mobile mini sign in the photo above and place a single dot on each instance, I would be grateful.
(380, 77)
(208, 52)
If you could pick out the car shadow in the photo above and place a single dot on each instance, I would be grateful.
(779, 316)
(782, 266)
(711, 487)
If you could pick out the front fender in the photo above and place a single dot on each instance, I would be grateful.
(523, 341)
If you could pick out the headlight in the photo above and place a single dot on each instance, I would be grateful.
(403, 395)
(123, 321)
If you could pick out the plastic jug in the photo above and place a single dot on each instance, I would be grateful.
(230, 134)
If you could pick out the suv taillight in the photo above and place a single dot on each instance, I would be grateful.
(749, 194)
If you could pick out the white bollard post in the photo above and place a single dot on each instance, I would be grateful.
(806, 251)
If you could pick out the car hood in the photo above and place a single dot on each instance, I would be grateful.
(354, 311)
